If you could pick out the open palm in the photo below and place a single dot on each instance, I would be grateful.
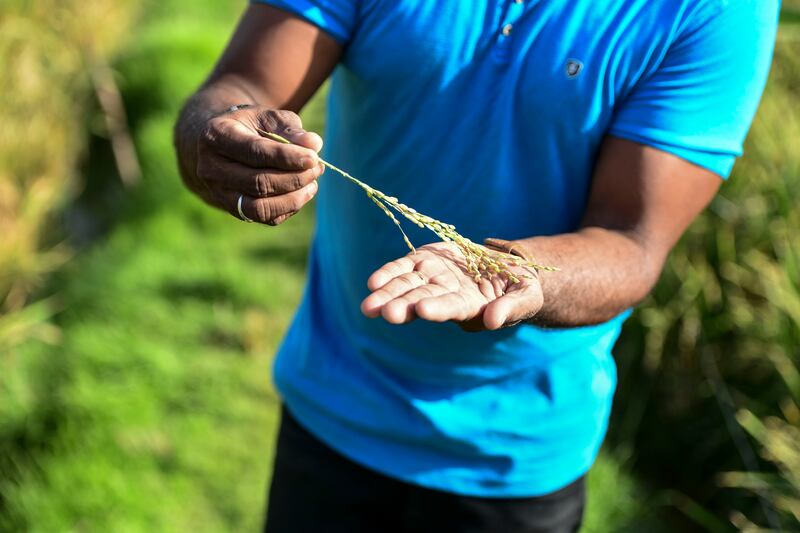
(433, 284)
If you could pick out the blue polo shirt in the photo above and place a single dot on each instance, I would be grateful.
(488, 114)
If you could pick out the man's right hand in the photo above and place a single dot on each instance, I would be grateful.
(274, 179)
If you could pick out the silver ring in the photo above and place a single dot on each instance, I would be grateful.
(239, 208)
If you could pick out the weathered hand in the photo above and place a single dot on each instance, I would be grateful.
(274, 180)
(434, 285)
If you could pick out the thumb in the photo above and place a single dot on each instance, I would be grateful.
(501, 245)
(288, 125)
(514, 306)
(301, 137)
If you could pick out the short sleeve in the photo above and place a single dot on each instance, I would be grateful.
(699, 102)
(335, 17)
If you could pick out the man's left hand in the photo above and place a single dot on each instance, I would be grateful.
(433, 284)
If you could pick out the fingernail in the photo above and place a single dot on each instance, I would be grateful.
(313, 187)
(307, 162)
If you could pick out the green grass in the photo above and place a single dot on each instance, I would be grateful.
(154, 411)
(165, 414)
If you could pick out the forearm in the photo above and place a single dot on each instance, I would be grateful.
(212, 99)
(602, 273)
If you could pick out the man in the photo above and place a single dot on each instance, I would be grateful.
(586, 134)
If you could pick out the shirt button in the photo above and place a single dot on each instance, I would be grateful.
(507, 29)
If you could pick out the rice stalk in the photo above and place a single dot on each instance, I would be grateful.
(481, 262)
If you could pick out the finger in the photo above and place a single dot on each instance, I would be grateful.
(272, 210)
(307, 139)
(508, 247)
(275, 182)
(223, 173)
(514, 306)
(389, 271)
(448, 306)
(239, 142)
(401, 310)
(271, 182)
(289, 125)
(500, 245)
(372, 304)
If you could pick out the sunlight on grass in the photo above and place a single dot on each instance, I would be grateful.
(155, 410)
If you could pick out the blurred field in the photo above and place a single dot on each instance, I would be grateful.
(46, 85)
(145, 403)
(719, 339)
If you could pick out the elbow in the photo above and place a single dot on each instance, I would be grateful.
(648, 270)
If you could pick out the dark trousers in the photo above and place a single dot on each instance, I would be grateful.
(317, 490)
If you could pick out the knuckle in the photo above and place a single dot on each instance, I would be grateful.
(414, 277)
(263, 184)
(404, 280)
(279, 119)
(263, 212)
(269, 119)
(297, 181)
(288, 118)
(218, 126)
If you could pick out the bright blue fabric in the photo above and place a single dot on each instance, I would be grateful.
(434, 104)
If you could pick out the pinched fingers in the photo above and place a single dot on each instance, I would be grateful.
(271, 210)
